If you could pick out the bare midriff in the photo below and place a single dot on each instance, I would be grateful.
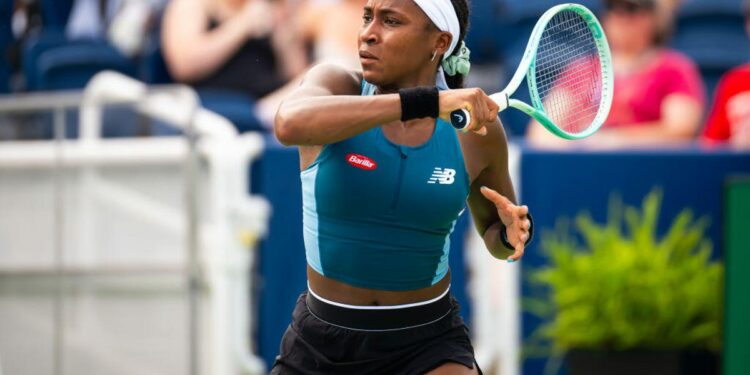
(337, 291)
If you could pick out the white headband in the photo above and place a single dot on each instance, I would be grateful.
(442, 14)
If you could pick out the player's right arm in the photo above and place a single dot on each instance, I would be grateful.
(327, 107)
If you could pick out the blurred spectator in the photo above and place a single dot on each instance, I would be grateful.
(331, 27)
(27, 18)
(658, 93)
(246, 46)
(26, 21)
(89, 19)
(729, 120)
(123, 23)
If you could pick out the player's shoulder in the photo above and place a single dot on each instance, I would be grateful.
(337, 79)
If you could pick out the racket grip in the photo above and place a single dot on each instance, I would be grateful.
(460, 119)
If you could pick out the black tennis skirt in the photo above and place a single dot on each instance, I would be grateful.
(329, 339)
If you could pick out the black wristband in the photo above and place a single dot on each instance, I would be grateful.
(419, 102)
(504, 235)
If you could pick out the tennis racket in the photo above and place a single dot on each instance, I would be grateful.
(568, 71)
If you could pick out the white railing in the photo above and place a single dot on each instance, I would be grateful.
(213, 226)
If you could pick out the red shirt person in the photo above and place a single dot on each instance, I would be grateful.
(729, 120)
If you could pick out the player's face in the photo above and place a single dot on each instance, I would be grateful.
(396, 41)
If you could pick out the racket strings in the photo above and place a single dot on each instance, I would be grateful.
(568, 73)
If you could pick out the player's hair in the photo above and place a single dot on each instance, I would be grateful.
(462, 11)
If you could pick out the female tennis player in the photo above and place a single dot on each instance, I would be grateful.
(384, 180)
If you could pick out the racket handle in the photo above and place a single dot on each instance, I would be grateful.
(460, 119)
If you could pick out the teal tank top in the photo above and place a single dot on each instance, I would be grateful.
(379, 215)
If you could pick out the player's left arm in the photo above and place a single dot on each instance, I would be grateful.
(492, 201)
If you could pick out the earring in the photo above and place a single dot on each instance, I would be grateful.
(434, 53)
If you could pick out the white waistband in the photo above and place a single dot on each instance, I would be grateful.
(389, 307)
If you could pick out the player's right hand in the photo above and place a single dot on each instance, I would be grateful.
(483, 110)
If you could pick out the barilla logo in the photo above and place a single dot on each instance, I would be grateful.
(361, 161)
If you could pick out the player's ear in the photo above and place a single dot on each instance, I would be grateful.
(443, 42)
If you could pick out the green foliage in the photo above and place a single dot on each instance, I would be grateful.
(625, 288)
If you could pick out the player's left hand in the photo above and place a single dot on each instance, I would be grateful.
(514, 218)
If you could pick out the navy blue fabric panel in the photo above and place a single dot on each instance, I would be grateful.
(6, 38)
(281, 265)
(72, 66)
(487, 23)
(55, 13)
(563, 184)
(153, 69)
(33, 48)
(705, 37)
(692, 7)
(4, 76)
(6, 9)
(236, 107)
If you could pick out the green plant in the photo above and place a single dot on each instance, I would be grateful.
(624, 288)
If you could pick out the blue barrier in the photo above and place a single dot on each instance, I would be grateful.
(558, 184)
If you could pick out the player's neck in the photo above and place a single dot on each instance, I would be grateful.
(412, 133)
(425, 77)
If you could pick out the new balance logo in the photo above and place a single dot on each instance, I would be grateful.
(443, 176)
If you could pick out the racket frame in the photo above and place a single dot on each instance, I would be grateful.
(528, 63)
(526, 70)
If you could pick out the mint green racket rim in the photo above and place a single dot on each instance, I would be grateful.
(542, 118)
(605, 59)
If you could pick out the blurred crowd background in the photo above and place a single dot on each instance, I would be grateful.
(682, 78)
(680, 65)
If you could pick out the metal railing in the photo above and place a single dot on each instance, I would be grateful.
(219, 226)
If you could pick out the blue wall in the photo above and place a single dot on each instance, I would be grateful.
(562, 184)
